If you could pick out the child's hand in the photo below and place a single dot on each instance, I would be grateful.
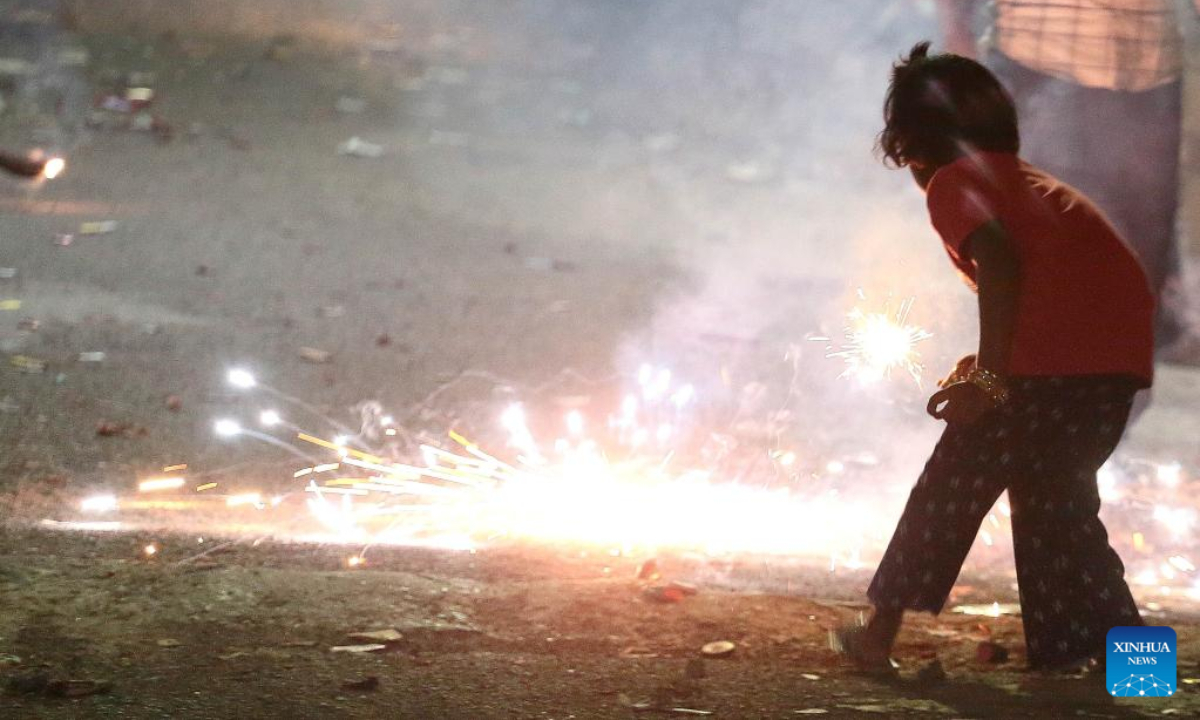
(960, 402)
(962, 368)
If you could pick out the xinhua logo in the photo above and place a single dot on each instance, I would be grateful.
(1140, 662)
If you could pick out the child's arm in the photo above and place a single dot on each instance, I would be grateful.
(998, 275)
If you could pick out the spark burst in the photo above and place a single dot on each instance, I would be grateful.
(877, 343)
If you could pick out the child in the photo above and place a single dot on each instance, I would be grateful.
(1066, 339)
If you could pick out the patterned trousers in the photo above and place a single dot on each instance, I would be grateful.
(1044, 447)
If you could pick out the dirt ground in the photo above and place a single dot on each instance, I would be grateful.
(505, 633)
(564, 187)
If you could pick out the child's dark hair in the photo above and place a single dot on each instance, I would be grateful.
(937, 104)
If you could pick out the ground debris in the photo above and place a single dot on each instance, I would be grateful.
(387, 635)
(991, 652)
(314, 355)
(45, 685)
(363, 684)
(359, 148)
(358, 649)
(719, 648)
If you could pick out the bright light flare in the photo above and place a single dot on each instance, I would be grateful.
(150, 550)
(877, 343)
(251, 498)
(269, 418)
(241, 378)
(99, 504)
(159, 484)
(227, 428)
(53, 168)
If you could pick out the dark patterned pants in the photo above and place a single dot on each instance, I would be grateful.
(1044, 446)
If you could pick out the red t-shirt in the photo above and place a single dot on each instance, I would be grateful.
(1085, 306)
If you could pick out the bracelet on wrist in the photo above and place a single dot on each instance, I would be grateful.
(990, 383)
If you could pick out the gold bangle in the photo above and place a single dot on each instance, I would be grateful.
(990, 383)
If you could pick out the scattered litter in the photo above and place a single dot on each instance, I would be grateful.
(358, 649)
(169, 643)
(40, 684)
(648, 570)
(719, 648)
(867, 708)
(139, 97)
(10, 304)
(366, 684)
(233, 655)
(994, 610)
(663, 594)
(7, 273)
(357, 147)
(637, 651)
(9, 660)
(107, 428)
(63, 239)
(100, 227)
(688, 711)
(73, 57)
(350, 105)
(174, 403)
(388, 635)
(27, 364)
(313, 355)
(92, 357)
(28, 324)
(810, 676)
(991, 652)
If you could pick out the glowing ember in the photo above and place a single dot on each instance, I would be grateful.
(157, 484)
(252, 498)
(99, 504)
(150, 550)
(226, 428)
(53, 168)
(240, 378)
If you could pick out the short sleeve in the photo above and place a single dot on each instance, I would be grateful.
(961, 199)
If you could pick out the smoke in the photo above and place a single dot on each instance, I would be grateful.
(759, 117)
